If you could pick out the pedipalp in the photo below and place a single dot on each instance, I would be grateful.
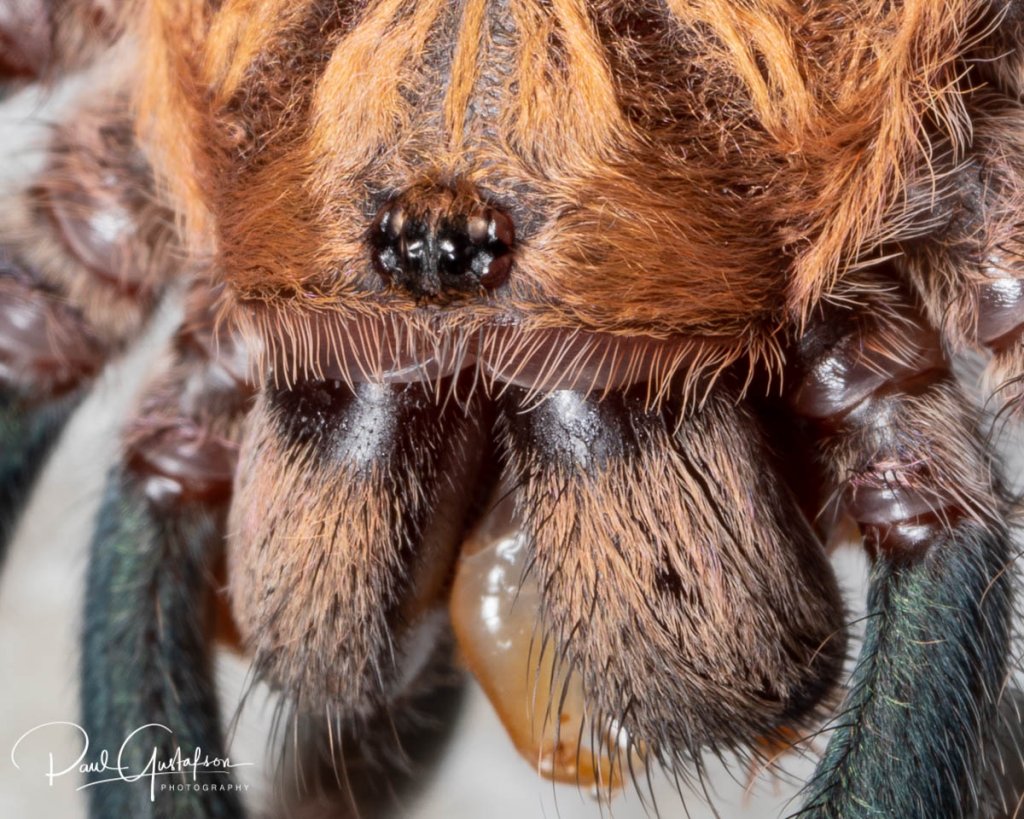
(904, 454)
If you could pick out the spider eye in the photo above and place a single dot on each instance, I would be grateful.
(427, 253)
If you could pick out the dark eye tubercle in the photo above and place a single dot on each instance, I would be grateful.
(431, 251)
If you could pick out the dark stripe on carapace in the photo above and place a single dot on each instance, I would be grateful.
(275, 95)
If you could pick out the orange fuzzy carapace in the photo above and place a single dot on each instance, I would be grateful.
(693, 167)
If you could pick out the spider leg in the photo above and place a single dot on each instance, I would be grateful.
(46, 352)
(42, 38)
(678, 576)
(25, 39)
(25, 440)
(146, 660)
(901, 444)
(84, 256)
(965, 264)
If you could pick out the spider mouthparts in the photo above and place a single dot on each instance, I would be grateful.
(495, 610)
(331, 454)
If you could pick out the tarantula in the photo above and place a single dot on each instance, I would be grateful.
(549, 336)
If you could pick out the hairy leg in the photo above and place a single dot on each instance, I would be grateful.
(84, 255)
(147, 631)
(46, 352)
(906, 459)
(40, 39)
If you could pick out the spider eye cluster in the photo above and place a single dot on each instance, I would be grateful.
(429, 252)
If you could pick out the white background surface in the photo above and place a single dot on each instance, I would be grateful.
(40, 599)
